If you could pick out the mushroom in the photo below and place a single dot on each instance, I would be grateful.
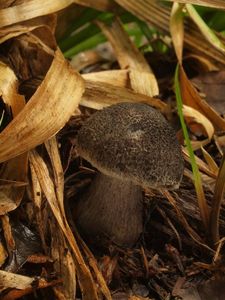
(133, 147)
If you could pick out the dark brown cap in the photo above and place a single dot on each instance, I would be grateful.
(133, 141)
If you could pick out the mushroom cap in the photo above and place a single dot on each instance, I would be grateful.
(133, 141)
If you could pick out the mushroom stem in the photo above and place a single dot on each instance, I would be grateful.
(111, 209)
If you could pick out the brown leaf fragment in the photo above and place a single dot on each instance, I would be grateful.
(107, 266)
(191, 98)
(22, 285)
(3, 254)
(175, 255)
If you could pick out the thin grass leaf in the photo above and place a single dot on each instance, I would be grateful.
(83, 35)
(86, 17)
(217, 202)
(93, 42)
(203, 27)
(87, 32)
(146, 30)
(203, 207)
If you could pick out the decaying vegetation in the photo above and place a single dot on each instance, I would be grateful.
(60, 61)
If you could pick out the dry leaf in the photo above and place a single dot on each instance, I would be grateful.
(177, 29)
(98, 95)
(11, 280)
(193, 117)
(210, 161)
(142, 79)
(191, 98)
(61, 89)
(118, 78)
(200, 163)
(29, 9)
(202, 64)
(158, 15)
(16, 168)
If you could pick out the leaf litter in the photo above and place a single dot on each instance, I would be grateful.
(46, 101)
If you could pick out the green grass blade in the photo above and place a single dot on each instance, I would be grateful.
(87, 16)
(85, 45)
(217, 202)
(94, 41)
(203, 207)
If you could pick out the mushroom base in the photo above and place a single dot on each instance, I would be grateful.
(111, 209)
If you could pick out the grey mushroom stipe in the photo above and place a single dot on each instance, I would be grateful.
(133, 147)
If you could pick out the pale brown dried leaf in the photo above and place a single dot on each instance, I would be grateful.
(61, 89)
(98, 95)
(16, 168)
(30, 9)
(195, 118)
(11, 280)
(118, 78)
(177, 29)
(142, 79)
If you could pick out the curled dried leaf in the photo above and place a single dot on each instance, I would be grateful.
(56, 98)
